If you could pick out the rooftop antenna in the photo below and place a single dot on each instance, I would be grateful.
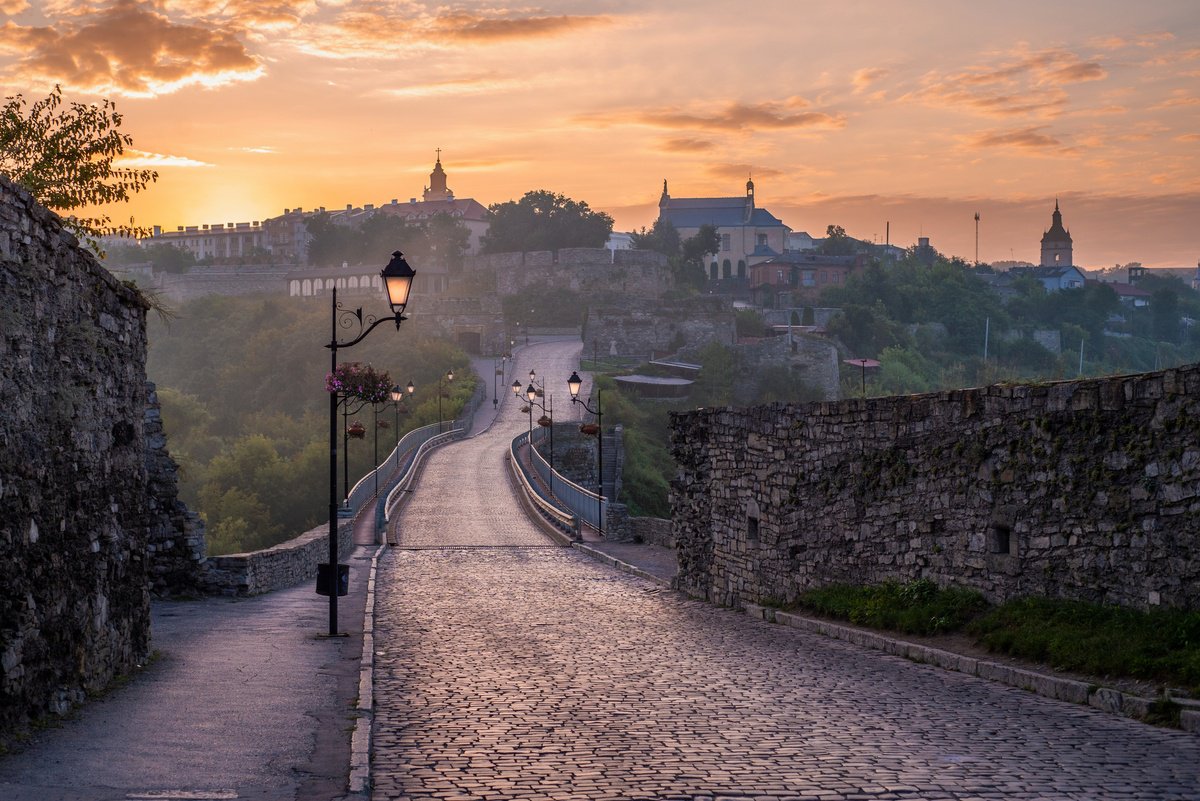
(976, 239)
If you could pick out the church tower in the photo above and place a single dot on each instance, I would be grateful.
(437, 183)
(1056, 243)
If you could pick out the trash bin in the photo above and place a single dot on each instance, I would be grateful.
(324, 579)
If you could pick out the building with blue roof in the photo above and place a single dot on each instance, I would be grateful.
(748, 234)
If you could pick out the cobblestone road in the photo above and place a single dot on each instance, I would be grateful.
(535, 673)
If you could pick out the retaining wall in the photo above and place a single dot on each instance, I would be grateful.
(284, 565)
(1082, 489)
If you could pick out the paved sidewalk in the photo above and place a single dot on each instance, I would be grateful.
(245, 701)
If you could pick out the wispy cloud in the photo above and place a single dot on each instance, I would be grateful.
(768, 116)
(1178, 98)
(864, 78)
(1031, 138)
(1190, 137)
(687, 145)
(458, 86)
(261, 150)
(1023, 83)
(12, 7)
(127, 49)
(142, 159)
(736, 171)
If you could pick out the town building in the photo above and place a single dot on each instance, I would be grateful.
(748, 235)
(797, 277)
(1056, 243)
(438, 198)
(216, 241)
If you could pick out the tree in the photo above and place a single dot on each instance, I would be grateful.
(837, 242)
(689, 267)
(662, 238)
(64, 157)
(543, 220)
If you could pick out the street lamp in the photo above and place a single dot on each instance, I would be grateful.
(573, 384)
(398, 398)
(442, 382)
(532, 394)
(397, 281)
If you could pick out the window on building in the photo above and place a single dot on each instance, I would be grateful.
(824, 277)
(762, 239)
(741, 268)
(1000, 538)
(809, 278)
(726, 242)
(726, 269)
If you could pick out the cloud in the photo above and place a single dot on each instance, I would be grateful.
(377, 28)
(254, 149)
(141, 159)
(863, 78)
(1026, 83)
(127, 49)
(1190, 137)
(1023, 138)
(1180, 97)
(1143, 40)
(687, 145)
(737, 171)
(13, 7)
(769, 116)
(458, 86)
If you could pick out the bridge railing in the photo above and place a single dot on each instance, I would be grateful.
(556, 513)
(582, 502)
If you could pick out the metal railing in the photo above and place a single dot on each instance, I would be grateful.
(555, 513)
(582, 502)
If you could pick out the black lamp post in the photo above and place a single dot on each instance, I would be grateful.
(573, 384)
(531, 393)
(397, 280)
(442, 382)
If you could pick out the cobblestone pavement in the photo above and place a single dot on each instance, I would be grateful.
(535, 673)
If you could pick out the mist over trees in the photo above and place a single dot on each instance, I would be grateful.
(543, 220)
(441, 240)
(242, 387)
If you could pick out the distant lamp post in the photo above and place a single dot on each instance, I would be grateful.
(399, 396)
(397, 281)
(864, 364)
(442, 382)
(516, 388)
(532, 393)
(574, 383)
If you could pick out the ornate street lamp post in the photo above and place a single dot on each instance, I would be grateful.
(397, 280)
(573, 384)
(398, 397)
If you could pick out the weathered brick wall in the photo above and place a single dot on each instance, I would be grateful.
(74, 589)
(641, 273)
(1084, 489)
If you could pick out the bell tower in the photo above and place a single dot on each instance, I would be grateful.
(1056, 243)
(437, 182)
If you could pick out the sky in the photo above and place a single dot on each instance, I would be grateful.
(919, 114)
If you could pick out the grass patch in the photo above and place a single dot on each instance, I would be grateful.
(918, 607)
(1162, 645)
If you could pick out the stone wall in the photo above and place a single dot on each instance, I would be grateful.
(641, 273)
(641, 327)
(74, 572)
(176, 545)
(284, 565)
(1084, 489)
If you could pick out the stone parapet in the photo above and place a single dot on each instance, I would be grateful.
(1080, 489)
(284, 565)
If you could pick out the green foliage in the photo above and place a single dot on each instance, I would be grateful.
(64, 157)
(1162, 645)
(544, 220)
(917, 607)
(749, 323)
(837, 242)
(662, 238)
(241, 384)
(441, 240)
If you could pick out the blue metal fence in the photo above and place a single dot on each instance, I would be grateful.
(582, 502)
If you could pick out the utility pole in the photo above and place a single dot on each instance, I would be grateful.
(976, 239)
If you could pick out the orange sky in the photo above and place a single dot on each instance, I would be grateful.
(849, 112)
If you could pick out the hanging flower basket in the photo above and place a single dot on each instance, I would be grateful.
(355, 380)
(541, 393)
(524, 410)
(384, 424)
(589, 429)
(545, 422)
(356, 430)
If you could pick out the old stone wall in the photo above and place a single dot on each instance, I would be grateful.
(1083, 489)
(639, 327)
(284, 565)
(641, 273)
(74, 570)
(176, 545)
